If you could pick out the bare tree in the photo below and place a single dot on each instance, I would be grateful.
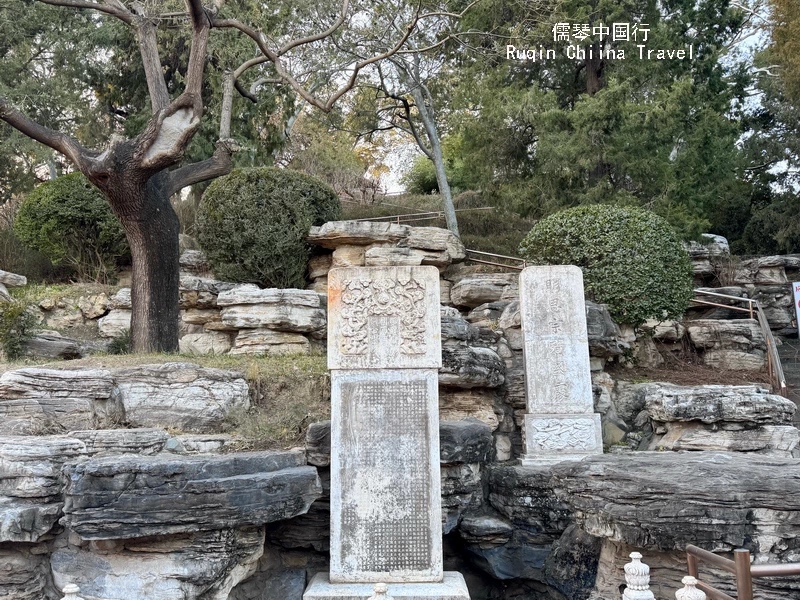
(137, 176)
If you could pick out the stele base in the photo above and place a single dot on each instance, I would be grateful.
(452, 587)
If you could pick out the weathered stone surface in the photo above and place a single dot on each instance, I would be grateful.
(462, 492)
(210, 342)
(334, 234)
(739, 334)
(666, 331)
(145, 441)
(385, 439)
(68, 399)
(571, 565)
(319, 265)
(51, 344)
(561, 437)
(116, 323)
(348, 256)
(667, 500)
(21, 417)
(470, 367)
(199, 443)
(204, 565)
(456, 404)
(278, 584)
(735, 360)
(63, 318)
(466, 441)
(318, 444)
(268, 341)
(136, 496)
(94, 306)
(200, 316)
(436, 239)
(604, 336)
(252, 294)
(480, 288)
(456, 328)
(715, 403)
(4, 294)
(389, 256)
(778, 440)
(12, 279)
(485, 530)
(23, 573)
(195, 262)
(384, 317)
(30, 484)
(178, 395)
(121, 300)
(282, 317)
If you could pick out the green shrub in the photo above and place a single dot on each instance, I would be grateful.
(70, 223)
(120, 344)
(631, 259)
(252, 224)
(17, 325)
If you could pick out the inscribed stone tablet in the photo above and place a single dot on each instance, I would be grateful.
(560, 437)
(385, 481)
(384, 318)
(556, 344)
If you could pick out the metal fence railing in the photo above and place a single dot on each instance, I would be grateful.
(419, 216)
(739, 567)
(777, 377)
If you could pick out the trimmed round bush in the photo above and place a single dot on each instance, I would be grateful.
(252, 224)
(631, 259)
(68, 221)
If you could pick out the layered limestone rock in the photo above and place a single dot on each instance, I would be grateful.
(470, 367)
(37, 400)
(8, 280)
(736, 344)
(178, 395)
(137, 496)
(189, 567)
(372, 243)
(473, 290)
(269, 342)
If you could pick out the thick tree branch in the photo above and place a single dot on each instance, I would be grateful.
(146, 35)
(218, 165)
(56, 140)
(115, 9)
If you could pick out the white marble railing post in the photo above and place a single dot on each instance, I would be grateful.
(71, 592)
(637, 578)
(689, 591)
(381, 592)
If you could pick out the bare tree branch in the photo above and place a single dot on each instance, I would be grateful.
(56, 140)
(116, 10)
(218, 165)
(146, 35)
(319, 36)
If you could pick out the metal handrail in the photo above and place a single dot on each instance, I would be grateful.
(739, 567)
(522, 261)
(419, 216)
(777, 377)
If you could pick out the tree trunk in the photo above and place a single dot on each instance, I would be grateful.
(594, 71)
(438, 160)
(152, 229)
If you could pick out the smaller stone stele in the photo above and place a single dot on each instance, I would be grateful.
(560, 423)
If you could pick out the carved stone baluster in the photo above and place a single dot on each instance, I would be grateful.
(689, 591)
(637, 578)
(381, 592)
(71, 592)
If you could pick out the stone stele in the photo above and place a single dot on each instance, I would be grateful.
(384, 351)
(560, 423)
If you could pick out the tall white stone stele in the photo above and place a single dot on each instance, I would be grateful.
(384, 352)
(560, 423)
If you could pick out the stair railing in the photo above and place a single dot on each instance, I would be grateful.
(777, 377)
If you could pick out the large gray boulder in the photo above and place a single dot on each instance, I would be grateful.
(470, 367)
(132, 496)
(34, 400)
(479, 288)
(31, 483)
(178, 395)
(24, 572)
(716, 403)
(199, 566)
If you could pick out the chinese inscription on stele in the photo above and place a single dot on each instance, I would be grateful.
(384, 352)
(560, 423)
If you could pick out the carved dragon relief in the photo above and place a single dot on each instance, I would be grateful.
(362, 299)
